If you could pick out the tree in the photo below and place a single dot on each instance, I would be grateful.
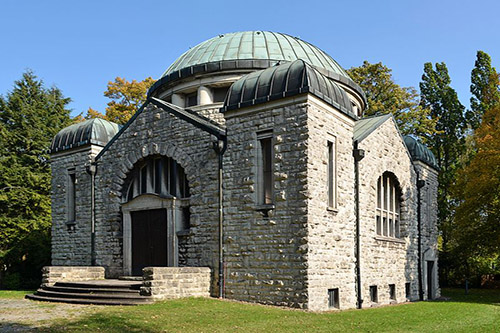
(477, 230)
(30, 116)
(485, 89)
(385, 96)
(447, 144)
(126, 98)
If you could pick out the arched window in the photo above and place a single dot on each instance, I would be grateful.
(388, 206)
(159, 175)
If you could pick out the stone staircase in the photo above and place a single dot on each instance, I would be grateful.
(99, 292)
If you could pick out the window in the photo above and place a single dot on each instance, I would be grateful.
(71, 196)
(373, 294)
(388, 207)
(265, 175)
(220, 94)
(407, 290)
(332, 174)
(159, 175)
(333, 298)
(392, 291)
(191, 99)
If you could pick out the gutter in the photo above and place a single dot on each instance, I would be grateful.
(420, 184)
(358, 155)
(220, 148)
(92, 169)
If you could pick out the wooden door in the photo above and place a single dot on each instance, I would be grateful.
(149, 239)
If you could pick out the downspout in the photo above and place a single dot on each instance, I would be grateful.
(92, 169)
(220, 147)
(420, 184)
(358, 155)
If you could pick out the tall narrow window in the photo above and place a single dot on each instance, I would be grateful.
(144, 179)
(332, 174)
(333, 298)
(71, 193)
(158, 175)
(266, 168)
(392, 291)
(373, 294)
(388, 207)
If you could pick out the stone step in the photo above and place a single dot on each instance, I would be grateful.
(131, 278)
(95, 295)
(88, 301)
(90, 290)
(102, 284)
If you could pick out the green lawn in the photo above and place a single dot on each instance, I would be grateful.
(14, 293)
(477, 312)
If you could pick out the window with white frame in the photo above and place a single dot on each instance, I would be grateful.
(332, 173)
(388, 206)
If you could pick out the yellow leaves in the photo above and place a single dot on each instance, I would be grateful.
(126, 98)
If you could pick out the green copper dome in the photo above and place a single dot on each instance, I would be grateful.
(419, 152)
(255, 45)
(92, 131)
(249, 51)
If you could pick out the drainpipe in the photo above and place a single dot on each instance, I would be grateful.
(358, 155)
(92, 169)
(420, 184)
(220, 147)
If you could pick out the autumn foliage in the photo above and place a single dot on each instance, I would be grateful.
(126, 98)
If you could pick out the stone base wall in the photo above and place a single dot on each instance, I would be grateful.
(53, 274)
(176, 282)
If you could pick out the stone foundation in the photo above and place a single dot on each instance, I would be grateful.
(53, 274)
(176, 282)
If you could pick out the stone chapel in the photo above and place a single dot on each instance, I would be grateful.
(252, 158)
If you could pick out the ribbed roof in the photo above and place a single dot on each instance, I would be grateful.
(93, 131)
(263, 45)
(288, 79)
(419, 152)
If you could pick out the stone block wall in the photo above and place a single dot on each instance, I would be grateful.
(266, 257)
(156, 132)
(330, 229)
(428, 211)
(53, 274)
(386, 260)
(71, 239)
(176, 282)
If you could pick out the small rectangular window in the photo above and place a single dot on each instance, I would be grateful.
(71, 193)
(333, 298)
(407, 290)
(392, 291)
(332, 177)
(379, 226)
(384, 226)
(266, 168)
(191, 99)
(220, 94)
(373, 294)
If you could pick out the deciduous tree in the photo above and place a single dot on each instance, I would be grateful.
(385, 96)
(126, 98)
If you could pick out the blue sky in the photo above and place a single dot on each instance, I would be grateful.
(81, 45)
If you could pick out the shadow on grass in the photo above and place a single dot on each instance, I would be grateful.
(477, 296)
(107, 322)
(16, 327)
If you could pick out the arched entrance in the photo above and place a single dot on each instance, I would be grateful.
(155, 207)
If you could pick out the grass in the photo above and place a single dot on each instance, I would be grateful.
(477, 312)
(14, 293)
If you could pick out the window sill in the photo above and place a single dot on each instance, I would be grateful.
(265, 210)
(331, 209)
(70, 223)
(390, 239)
(184, 233)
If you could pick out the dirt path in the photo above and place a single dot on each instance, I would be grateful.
(22, 315)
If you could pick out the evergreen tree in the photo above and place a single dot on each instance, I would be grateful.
(385, 96)
(30, 116)
(485, 88)
(448, 144)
